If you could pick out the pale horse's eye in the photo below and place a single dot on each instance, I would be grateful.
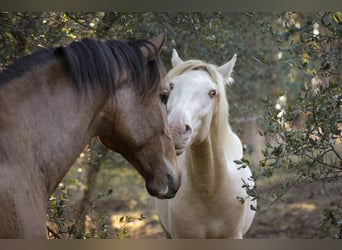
(212, 93)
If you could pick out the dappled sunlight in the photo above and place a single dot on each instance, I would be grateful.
(303, 206)
(134, 226)
(131, 221)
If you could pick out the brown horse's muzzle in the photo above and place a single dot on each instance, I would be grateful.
(163, 187)
(160, 170)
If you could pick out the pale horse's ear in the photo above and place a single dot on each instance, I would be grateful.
(227, 69)
(175, 60)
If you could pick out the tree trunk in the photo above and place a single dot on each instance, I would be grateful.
(97, 155)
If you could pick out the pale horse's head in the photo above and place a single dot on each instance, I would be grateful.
(196, 89)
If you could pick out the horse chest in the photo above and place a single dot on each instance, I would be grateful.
(207, 222)
(206, 204)
(205, 216)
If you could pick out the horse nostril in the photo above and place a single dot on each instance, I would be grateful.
(188, 129)
(172, 189)
(169, 180)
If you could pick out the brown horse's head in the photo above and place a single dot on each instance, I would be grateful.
(135, 124)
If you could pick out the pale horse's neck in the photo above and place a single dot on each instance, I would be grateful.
(208, 164)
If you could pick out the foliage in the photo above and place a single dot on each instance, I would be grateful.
(64, 218)
(305, 133)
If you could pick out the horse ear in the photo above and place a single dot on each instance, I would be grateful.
(227, 69)
(175, 60)
(158, 43)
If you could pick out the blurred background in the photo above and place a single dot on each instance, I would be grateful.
(285, 105)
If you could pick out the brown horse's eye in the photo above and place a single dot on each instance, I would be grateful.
(171, 86)
(164, 97)
(212, 93)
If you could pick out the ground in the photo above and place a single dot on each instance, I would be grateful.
(296, 218)
(297, 215)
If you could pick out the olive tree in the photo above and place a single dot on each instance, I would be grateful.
(304, 124)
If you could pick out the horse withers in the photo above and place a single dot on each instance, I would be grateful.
(55, 100)
(208, 203)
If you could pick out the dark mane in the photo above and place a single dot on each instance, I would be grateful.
(26, 63)
(97, 63)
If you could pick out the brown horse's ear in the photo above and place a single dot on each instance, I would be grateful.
(158, 42)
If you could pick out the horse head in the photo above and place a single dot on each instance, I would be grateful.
(196, 91)
(135, 125)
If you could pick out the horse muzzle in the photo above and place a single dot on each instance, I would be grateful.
(169, 190)
(181, 135)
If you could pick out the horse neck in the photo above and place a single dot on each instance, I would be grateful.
(209, 163)
(46, 124)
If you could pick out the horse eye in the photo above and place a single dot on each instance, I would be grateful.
(164, 97)
(171, 86)
(212, 93)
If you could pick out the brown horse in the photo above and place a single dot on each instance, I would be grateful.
(55, 100)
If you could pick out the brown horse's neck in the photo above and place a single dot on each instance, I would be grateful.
(44, 124)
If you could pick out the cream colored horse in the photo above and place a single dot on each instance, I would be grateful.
(206, 205)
